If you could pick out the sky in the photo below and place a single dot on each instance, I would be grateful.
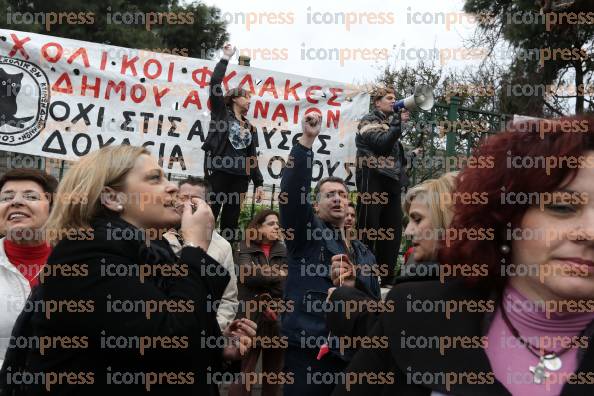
(349, 41)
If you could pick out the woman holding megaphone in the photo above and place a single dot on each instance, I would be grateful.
(380, 170)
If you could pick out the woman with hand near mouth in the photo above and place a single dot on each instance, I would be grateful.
(25, 202)
(121, 305)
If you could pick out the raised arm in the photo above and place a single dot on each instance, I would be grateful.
(295, 209)
(215, 92)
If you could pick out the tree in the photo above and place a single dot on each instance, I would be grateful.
(199, 38)
(196, 33)
(550, 55)
(203, 37)
(479, 89)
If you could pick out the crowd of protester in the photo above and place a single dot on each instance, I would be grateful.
(114, 280)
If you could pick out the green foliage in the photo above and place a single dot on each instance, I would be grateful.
(520, 25)
(203, 37)
(246, 213)
(199, 39)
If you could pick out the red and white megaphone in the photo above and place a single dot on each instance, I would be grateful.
(421, 99)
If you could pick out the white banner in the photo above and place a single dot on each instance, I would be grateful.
(64, 98)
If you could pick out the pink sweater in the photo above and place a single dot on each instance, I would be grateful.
(510, 359)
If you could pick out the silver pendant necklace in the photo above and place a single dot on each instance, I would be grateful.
(552, 362)
(548, 362)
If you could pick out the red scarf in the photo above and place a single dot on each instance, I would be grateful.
(27, 259)
(266, 249)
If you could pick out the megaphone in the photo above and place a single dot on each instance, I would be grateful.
(421, 99)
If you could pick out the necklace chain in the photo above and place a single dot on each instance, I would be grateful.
(534, 350)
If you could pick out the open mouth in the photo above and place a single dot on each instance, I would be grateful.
(17, 216)
(179, 205)
(171, 205)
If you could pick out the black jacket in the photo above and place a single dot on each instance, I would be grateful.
(362, 321)
(358, 323)
(217, 144)
(403, 370)
(107, 306)
(379, 147)
(422, 271)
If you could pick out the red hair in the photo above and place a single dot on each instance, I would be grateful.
(564, 137)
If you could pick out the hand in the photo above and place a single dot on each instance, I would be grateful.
(404, 115)
(330, 291)
(239, 349)
(197, 227)
(259, 194)
(228, 51)
(312, 125)
(418, 151)
(241, 327)
(242, 331)
(342, 271)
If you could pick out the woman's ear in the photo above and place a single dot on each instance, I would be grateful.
(112, 199)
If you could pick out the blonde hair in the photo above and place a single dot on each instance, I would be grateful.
(78, 199)
(437, 195)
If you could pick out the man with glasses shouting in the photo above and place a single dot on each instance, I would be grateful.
(318, 236)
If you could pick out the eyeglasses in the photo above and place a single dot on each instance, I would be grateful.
(30, 196)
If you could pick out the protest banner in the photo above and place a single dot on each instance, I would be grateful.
(63, 98)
